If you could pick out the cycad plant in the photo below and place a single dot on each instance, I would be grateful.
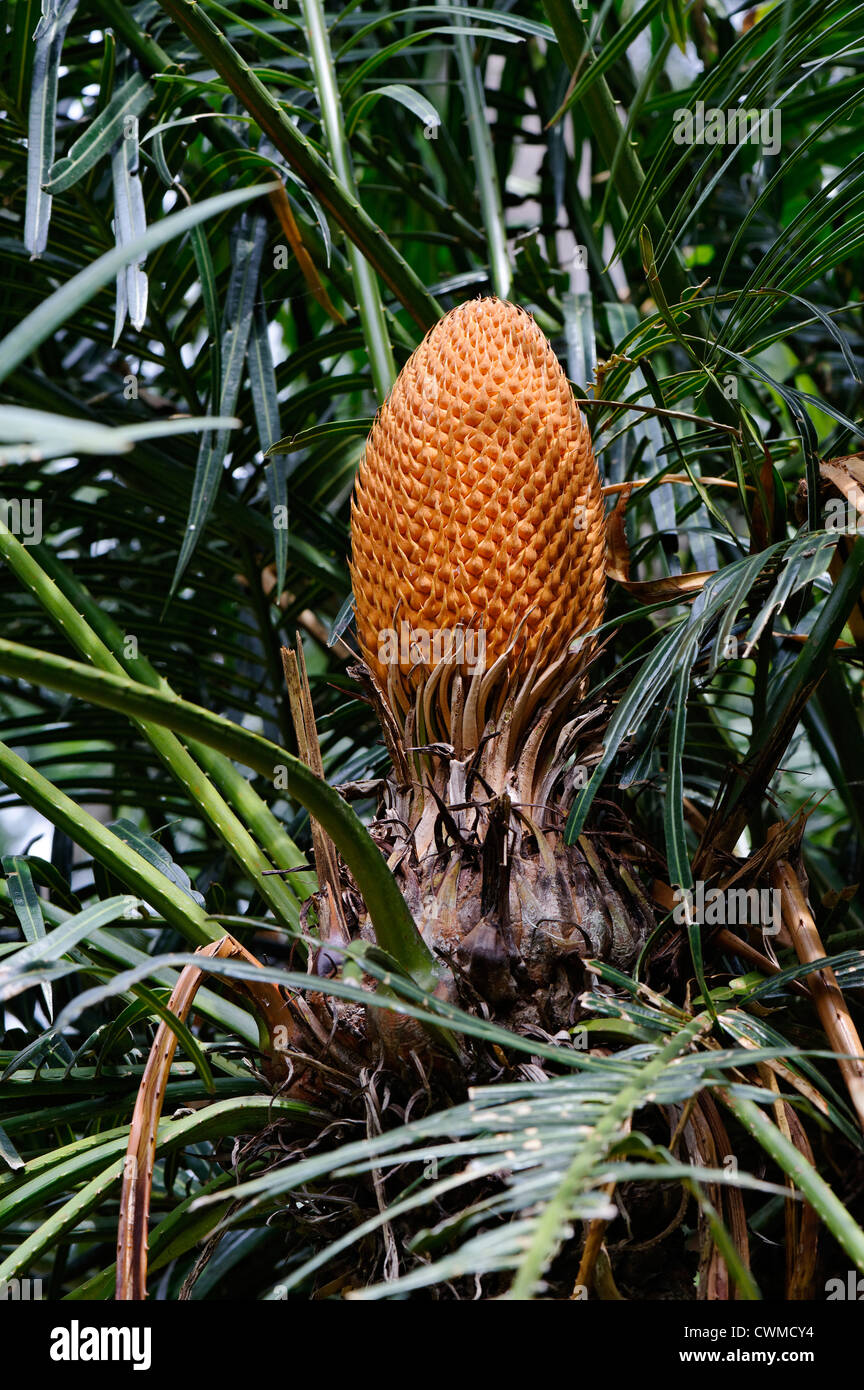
(479, 561)
(430, 676)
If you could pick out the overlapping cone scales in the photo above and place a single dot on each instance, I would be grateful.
(478, 499)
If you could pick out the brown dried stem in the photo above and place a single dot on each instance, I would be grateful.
(827, 994)
(141, 1150)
